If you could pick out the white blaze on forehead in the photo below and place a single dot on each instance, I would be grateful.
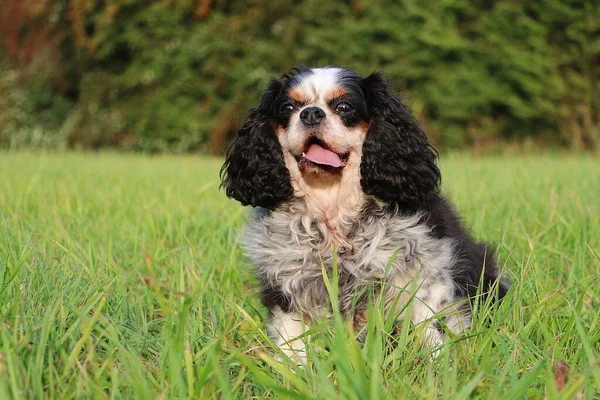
(319, 83)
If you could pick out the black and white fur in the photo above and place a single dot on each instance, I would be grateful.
(383, 203)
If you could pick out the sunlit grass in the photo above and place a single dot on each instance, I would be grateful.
(121, 277)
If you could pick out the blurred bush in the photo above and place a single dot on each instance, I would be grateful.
(178, 75)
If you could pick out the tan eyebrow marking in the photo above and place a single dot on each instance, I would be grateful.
(336, 92)
(298, 95)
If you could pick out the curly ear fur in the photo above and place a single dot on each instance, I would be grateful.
(254, 172)
(398, 163)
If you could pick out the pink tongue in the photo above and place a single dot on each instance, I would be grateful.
(319, 155)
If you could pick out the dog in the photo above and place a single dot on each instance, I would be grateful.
(335, 163)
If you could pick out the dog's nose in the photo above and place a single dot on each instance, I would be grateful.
(312, 115)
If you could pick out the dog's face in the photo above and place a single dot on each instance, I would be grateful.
(321, 123)
(316, 126)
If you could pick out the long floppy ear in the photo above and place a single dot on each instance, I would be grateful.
(398, 163)
(254, 172)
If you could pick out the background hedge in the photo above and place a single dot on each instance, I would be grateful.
(178, 75)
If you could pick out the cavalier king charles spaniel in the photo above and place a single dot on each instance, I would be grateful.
(335, 163)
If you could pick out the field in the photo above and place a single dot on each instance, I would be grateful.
(120, 277)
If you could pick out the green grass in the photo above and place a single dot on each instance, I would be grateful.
(121, 277)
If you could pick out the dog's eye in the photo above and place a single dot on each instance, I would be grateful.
(343, 108)
(287, 108)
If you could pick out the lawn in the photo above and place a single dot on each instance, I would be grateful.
(121, 277)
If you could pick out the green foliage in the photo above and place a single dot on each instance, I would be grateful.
(179, 75)
(121, 277)
(30, 115)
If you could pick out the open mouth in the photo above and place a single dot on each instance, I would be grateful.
(318, 154)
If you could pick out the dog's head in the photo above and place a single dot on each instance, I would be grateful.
(315, 126)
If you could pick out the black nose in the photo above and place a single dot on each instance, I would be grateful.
(312, 115)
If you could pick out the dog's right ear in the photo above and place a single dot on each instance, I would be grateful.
(254, 172)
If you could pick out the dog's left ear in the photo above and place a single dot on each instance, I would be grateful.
(398, 163)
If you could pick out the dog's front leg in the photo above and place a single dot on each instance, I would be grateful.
(434, 303)
(287, 330)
